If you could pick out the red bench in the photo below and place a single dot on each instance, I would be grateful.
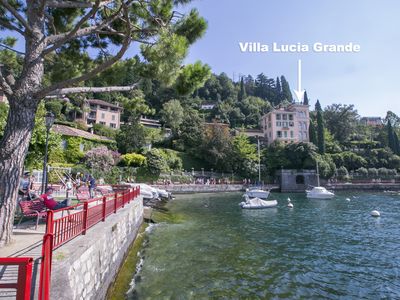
(33, 208)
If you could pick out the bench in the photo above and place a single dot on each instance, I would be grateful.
(33, 208)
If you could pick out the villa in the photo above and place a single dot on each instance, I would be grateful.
(102, 112)
(286, 124)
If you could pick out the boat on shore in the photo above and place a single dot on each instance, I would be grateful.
(257, 203)
(257, 192)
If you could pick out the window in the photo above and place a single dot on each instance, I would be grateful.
(269, 118)
(270, 134)
(278, 116)
(113, 117)
(300, 135)
(103, 107)
(291, 134)
(269, 125)
(290, 117)
(284, 117)
(279, 134)
(113, 125)
(103, 115)
(285, 124)
(278, 124)
(291, 124)
(285, 134)
(102, 123)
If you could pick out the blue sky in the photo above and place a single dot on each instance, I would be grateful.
(368, 79)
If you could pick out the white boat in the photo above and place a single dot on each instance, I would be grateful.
(257, 193)
(319, 192)
(146, 191)
(164, 194)
(257, 203)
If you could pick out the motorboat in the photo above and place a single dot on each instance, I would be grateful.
(164, 194)
(319, 192)
(256, 193)
(146, 191)
(257, 203)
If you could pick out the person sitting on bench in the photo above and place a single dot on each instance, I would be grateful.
(52, 204)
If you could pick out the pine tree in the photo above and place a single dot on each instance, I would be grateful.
(278, 91)
(305, 102)
(391, 141)
(312, 133)
(286, 93)
(242, 92)
(320, 128)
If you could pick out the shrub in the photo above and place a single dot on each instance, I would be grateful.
(156, 162)
(383, 171)
(133, 160)
(100, 158)
(342, 172)
(392, 172)
(362, 171)
(174, 162)
(373, 172)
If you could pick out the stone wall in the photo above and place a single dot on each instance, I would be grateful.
(85, 267)
(200, 188)
(296, 181)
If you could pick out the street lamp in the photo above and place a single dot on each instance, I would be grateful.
(49, 122)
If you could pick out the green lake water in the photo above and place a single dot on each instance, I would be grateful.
(319, 249)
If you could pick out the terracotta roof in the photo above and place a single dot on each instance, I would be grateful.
(104, 103)
(70, 131)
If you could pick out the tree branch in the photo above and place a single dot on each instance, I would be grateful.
(67, 36)
(45, 91)
(11, 49)
(4, 85)
(15, 13)
(80, 90)
(11, 26)
(74, 4)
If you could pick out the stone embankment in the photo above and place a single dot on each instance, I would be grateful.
(371, 186)
(85, 267)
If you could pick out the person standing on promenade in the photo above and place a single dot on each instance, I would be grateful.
(92, 185)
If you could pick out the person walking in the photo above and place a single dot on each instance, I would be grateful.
(92, 185)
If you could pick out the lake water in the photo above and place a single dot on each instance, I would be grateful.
(319, 249)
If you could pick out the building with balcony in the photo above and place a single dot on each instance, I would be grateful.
(101, 112)
(286, 124)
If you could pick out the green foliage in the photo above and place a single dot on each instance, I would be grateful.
(244, 156)
(341, 121)
(164, 58)
(362, 171)
(191, 77)
(191, 131)
(342, 172)
(101, 158)
(349, 160)
(3, 116)
(320, 128)
(383, 171)
(192, 27)
(73, 153)
(156, 162)
(130, 138)
(11, 61)
(36, 151)
(172, 114)
(103, 130)
(133, 159)
(134, 106)
(373, 172)
(173, 161)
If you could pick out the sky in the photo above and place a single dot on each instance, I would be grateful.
(368, 79)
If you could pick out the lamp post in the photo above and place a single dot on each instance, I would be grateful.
(49, 122)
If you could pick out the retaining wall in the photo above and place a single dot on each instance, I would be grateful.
(200, 188)
(85, 267)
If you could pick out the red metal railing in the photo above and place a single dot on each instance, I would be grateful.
(74, 223)
(24, 280)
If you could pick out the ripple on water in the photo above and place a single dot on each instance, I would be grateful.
(319, 249)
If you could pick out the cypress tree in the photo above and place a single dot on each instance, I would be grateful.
(305, 102)
(391, 142)
(320, 128)
(242, 91)
(312, 133)
(286, 93)
(396, 143)
(278, 91)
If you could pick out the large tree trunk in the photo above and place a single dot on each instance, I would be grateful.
(13, 149)
(21, 119)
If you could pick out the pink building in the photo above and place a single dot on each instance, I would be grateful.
(287, 124)
(102, 112)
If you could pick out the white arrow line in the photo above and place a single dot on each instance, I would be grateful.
(299, 92)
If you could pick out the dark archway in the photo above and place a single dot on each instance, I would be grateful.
(299, 179)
